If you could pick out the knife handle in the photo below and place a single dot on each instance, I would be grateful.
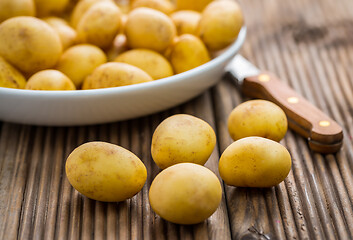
(323, 133)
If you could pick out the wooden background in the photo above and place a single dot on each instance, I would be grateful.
(309, 45)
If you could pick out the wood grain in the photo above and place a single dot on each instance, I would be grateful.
(308, 45)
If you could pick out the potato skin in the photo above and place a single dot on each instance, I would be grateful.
(150, 61)
(163, 6)
(149, 28)
(50, 80)
(118, 47)
(80, 9)
(50, 7)
(10, 77)
(185, 193)
(254, 162)
(29, 44)
(188, 52)
(182, 138)
(105, 172)
(114, 74)
(196, 5)
(67, 34)
(186, 21)
(257, 118)
(100, 24)
(220, 24)
(14, 8)
(79, 61)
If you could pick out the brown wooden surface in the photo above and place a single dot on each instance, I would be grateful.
(309, 45)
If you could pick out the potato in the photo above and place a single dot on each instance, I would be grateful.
(100, 24)
(186, 21)
(187, 53)
(150, 61)
(185, 193)
(67, 34)
(220, 24)
(197, 5)
(124, 5)
(149, 28)
(257, 118)
(105, 172)
(114, 74)
(118, 47)
(49, 80)
(29, 44)
(163, 6)
(254, 162)
(50, 7)
(182, 138)
(10, 77)
(122, 25)
(79, 61)
(80, 9)
(14, 8)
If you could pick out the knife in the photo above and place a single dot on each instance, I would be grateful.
(323, 133)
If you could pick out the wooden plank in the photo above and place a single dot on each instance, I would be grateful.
(12, 176)
(56, 175)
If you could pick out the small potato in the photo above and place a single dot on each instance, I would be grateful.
(10, 77)
(14, 8)
(105, 172)
(197, 5)
(125, 6)
(150, 61)
(79, 61)
(50, 7)
(185, 193)
(122, 25)
(220, 24)
(149, 28)
(100, 24)
(49, 80)
(254, 162)
(186, 21)
(163, 6)
(67, 34)
(257, 118)
(182, 138)
(29, 44)
(80, 9)
(114, 74)
(118, 47)
(187, 53)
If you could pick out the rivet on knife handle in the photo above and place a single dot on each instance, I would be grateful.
(324, 134)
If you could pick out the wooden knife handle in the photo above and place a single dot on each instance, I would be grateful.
(324, 134)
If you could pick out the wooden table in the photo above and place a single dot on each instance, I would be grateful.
(309, 45)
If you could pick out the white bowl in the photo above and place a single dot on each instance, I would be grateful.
(68, 108)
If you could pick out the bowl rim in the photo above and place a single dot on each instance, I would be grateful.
(232, 49)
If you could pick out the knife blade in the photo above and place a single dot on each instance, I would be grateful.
(323, 133)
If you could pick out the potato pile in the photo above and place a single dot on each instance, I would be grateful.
(90, 44)
(186, 192)
(255, 159)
